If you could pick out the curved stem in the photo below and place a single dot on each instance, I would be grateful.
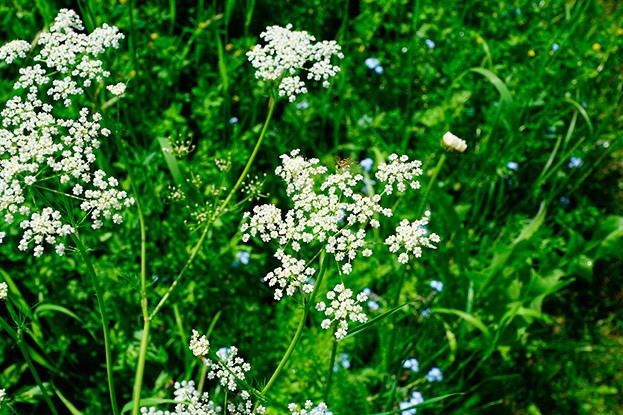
(247, 167)
(221, 208)
(331, 365)
(299, 329)
(140, 365)
(176, 281)
(101, 302)
(44, 390)
(433, 178)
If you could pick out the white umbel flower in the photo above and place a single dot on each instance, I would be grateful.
(287, 53)
(4, 291)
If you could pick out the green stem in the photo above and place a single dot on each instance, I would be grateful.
(331, 364)
(140, 365)
(44, 390)
(299, 329)
(271, 109)
(433, 178)
(221, 209)
(179, 276)
(140, 368)
(101, 302)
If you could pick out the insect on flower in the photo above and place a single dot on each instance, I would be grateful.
(341, 163)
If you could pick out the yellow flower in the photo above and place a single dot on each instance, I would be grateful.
(596, 47)
(229, 47)
(362, 48)
(620, 31)
(531, 53)
(153, 36)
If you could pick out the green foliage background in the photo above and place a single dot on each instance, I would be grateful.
(529, 321)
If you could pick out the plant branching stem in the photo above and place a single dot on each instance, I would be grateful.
(101, 303)
(299, 329)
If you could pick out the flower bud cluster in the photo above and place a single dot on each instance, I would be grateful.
(342, 307)
(42, 151)
(287, 53)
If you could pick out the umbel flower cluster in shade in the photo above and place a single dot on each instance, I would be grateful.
(329, 211)
(49, 138)
(287, 53)
(229, 369)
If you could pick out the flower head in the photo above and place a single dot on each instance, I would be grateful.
(511, 165)
(367, 164)
(416, 399)
(434, 375)
(4, 290)
(411, 364)
(452, 142)
(437, 286)
(575, 162)
(341, 308)
(430, 44)
(56, 153)
(287, 53)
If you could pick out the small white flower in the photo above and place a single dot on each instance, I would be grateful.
(200, 346)
(117, 90)
(4, 291)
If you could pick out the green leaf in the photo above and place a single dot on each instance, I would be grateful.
(165, 145)
(473, 320)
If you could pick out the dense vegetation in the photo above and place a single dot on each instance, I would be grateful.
(516, 311)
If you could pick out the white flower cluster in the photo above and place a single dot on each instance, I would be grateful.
(411, 237)
(291, 275)
(334, 213)
(200, 346)
(399, 172)
(342, 307)
(308, 409)
(191, 402)
(2, 394)
(227, 369)
(4, 290)
(13, 50)
(288, 52)
(41, 151)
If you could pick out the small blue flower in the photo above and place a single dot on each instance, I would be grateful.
(223, 353)
(372, 63)
(373, 305)
(367, 164)
(367, 182)
(425, 313)
(364, 121)
(343, 361)
(430, 44)
(575, 162)
(555, 47)
(437, 286)
(379, 70)
(416, 399)
(434, 375)
(242, 257)
(583, 104)
(517, 11)
(511, 165)
(303, 105)
(367, 292)
(233, 120)
(564, 201)
(412, 364)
